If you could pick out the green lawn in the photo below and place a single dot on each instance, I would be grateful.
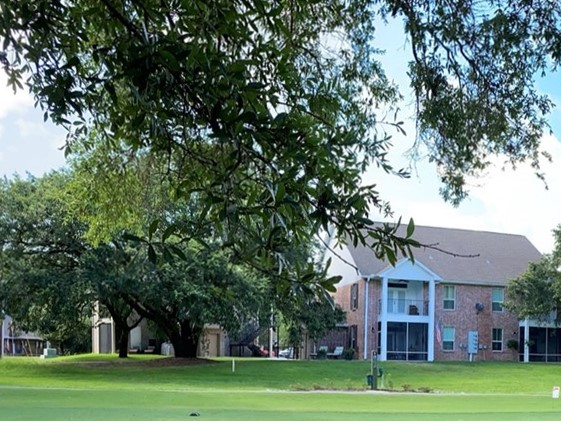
(82, 388)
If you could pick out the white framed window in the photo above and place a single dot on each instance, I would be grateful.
(497, 343)
(448, 338)
(448, 297)
(354, 296)
(497, 299)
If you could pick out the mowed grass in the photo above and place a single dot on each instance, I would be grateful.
(105, 388)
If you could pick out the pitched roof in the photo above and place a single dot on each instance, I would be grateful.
(499, 257)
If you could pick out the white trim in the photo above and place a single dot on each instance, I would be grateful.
(403, 270)
(365, 345)
(384, 321)
(526, 340)
(432, 298)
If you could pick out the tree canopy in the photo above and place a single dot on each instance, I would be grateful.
(537, 292)
(51, 278)
(40, 253)
(267, 113)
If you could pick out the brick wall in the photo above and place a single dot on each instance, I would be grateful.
(465, 317)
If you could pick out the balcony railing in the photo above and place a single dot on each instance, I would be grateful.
(405, 306)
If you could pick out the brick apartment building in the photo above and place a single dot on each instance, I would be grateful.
(439, 307)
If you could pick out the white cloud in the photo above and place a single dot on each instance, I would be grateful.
(27, 144)
(11, 102)
(517, 201)
(30, 128)
(510, 201)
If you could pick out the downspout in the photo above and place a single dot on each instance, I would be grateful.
(365, 345)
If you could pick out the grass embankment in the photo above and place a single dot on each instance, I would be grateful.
(92, 388)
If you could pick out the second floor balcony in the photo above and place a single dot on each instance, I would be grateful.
(405, 306)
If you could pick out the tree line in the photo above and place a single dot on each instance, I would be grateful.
(52, 278)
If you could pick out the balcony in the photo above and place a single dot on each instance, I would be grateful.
(406, 307)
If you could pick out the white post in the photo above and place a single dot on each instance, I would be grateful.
(526, 340)
(365, 345)
(113, 336)
(95, 329)
(271, 333)
(384, 321)
(2, 337)
(432, 298)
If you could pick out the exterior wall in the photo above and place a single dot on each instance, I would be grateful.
(465, 317)
(141, 339)
(356, 316)
(15, 342)
(213, 342)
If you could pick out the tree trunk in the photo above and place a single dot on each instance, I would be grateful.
(123, 342)
(185, 341)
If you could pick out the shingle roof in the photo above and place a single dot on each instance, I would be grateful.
(500, 256)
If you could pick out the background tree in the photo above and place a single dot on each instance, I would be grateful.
(106, 269)
(311, 316)
(537, 292)
(51, 277)
(40, 253)
(184, 295)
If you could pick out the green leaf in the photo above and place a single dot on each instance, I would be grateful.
(153, 227)
(131, 237)
(178, 252)
(168, 232)
(255, 86)
(410, 228)
(152, 256)
(170, 60)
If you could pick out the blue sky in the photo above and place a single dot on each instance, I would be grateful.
(505, 201)
(508, 201)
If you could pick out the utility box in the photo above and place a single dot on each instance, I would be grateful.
(473, 341)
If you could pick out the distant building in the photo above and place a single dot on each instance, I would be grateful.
(16, 342)
(447, 304)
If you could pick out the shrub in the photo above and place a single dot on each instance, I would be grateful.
(512, 344)
(349, 353)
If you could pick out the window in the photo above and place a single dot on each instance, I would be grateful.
(448, 297)
(498, 297)
(497, 343)
(354, 296)
(353, 337)
(448, 337)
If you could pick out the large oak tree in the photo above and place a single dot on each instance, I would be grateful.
(268, 112)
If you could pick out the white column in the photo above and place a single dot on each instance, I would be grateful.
(384, 321)
(113, 336)
(95, 329)
(431, 308)
(365, 345)
(526, 340)
(2, 339)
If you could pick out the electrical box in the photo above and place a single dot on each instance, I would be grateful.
(473, 342)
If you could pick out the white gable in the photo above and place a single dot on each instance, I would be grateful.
(408, 271)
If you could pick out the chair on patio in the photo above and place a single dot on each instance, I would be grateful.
(337, 352)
